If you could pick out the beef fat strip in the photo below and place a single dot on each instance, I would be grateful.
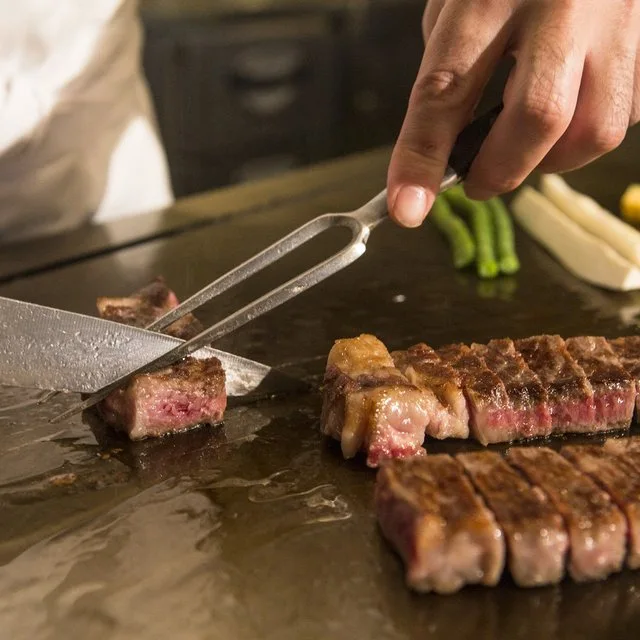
(428, 510)
(491, 417)
(614, 391)
(628, 351)
(620, 480)
(368, 404)
(534, 531)
(597, 529)
(571, 399)
(176, 398)
(422, 366)
(529, 400)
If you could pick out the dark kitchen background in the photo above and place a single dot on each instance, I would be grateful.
(248, 88)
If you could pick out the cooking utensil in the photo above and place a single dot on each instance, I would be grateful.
(56, 350)
(361, 222)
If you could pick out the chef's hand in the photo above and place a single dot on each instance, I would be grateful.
(570, 98)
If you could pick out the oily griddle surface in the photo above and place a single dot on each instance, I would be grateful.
(260, 529)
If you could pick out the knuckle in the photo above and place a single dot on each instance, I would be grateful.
(445, 85)
(545, 111)
(605, 138)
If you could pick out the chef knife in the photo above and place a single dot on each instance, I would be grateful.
(51, 349)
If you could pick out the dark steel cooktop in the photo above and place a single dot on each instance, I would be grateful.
(260, 530)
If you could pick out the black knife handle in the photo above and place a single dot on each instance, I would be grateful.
(470, 140)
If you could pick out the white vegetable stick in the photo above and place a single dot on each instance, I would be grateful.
(583, 254)
(592, 217)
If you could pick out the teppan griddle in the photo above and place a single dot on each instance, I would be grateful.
(259, 529)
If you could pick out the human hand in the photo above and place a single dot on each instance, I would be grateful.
(571, 96)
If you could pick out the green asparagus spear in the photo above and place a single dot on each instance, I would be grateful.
(456, 231)
(505, 241)
(482, 226)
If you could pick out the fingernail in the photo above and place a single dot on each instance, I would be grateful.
(411, 206)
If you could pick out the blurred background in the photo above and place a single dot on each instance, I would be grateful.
(244, 89)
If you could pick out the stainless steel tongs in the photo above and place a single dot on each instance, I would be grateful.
(361, 222)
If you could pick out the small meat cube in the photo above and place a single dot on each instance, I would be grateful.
(189, 393)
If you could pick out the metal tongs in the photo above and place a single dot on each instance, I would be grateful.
(361, 222)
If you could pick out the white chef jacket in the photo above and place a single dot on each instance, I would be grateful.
(78, 140)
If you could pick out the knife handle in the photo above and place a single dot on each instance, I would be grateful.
(470, 140)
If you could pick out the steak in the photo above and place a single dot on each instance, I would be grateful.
(620, 480)
(614, 391)
(428, 510)
(187, 394)
(626, 448)
(422, 366)
(490, 411)
(571, 400)
(368, 404)
(145, 306)
(597, 529)
(531, 416)
(535, 534)
(628, 351)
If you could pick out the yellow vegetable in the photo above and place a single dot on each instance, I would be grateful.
(630, 204)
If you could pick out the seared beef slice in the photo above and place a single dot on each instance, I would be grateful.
(571, 400)
(534, 531)
(597, 529)
(628, 351)
(531, 415)
(422, 366)
(614, 391)
(490, 411)
(620, 480)
(626, 448)
(141, 308)
(189, 393)
(430, 513)
(368, 404)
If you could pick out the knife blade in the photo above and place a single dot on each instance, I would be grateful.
(55, 350)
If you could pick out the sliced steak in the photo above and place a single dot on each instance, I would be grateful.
(422, 366)
(490, 412)
(571, 400)
(626, 448)
(368, 404)
(620, 480)
(614, 391)
(189, 393)
(531, 416)
(628, 351)
(430, 513)
(141, 308)
(535, 533)
(597, 528)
